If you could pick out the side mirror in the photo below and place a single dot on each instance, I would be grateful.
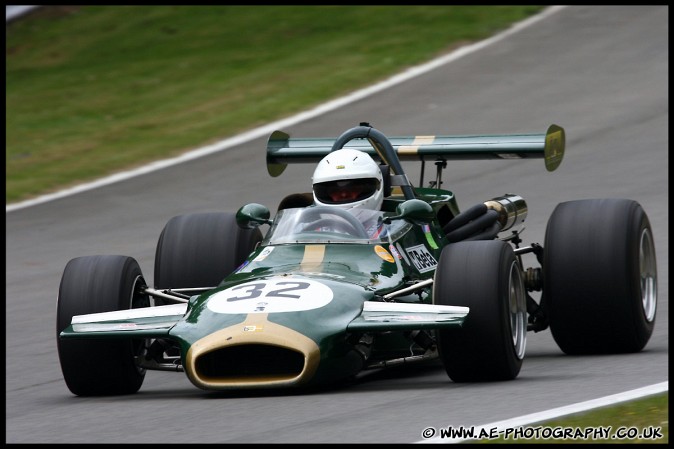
(252, 215)
(414, 211)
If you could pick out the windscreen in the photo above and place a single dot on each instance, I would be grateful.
(322, 224)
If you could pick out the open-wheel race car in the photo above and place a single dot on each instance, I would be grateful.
(318, 298)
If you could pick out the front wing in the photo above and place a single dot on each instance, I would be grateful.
(155, 322)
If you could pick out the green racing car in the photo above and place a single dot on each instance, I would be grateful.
(317, 299)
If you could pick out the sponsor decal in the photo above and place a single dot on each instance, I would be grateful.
(395, 252)
(402, 253)
(381, 252)
(429, 236)
(260, 307)
(422, 259)
(271, 296)
(241, 267)
(263, 254)
(253, 328)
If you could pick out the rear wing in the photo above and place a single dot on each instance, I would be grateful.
(283, 150)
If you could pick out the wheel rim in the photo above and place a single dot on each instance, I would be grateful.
(518, 311)
(648, 275)
(137, 301)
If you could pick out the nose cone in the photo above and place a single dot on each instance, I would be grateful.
(271, 332)
(254, 353)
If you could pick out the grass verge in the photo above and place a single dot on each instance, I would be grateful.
(642, 421)
(91, 90)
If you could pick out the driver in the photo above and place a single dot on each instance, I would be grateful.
(350, 179)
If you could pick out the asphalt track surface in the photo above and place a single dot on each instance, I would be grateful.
(600, 72)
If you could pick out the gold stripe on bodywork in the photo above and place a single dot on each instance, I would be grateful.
(378, 149)
(256, 329)
(313, 256)
(414, 147)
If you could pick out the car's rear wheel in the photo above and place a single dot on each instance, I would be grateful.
(94, 284)
(486, 277)
(201, 249)
(600, 276)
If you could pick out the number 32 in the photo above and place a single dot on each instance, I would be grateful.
(257, 289)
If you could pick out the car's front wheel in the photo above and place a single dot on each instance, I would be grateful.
(94, 284)
(486, 277)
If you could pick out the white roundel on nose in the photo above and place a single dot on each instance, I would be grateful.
(271, 296)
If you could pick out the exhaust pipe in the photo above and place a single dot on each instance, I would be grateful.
(511, 209)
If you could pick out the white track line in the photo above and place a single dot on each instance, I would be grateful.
(561, 411)
(268, 129)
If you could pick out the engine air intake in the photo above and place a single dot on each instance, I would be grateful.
(251, 361)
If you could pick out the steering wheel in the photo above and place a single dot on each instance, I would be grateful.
(348, 224)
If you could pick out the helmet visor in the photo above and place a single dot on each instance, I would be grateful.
(345, 191)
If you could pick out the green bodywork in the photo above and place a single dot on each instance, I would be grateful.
(355, 273)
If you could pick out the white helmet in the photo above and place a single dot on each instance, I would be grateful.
(348, 179)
